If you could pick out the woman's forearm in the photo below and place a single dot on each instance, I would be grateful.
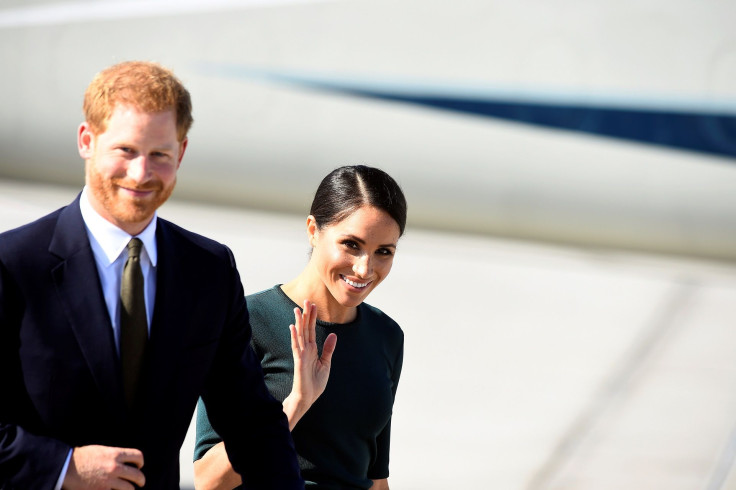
(214, 471)
(380, 484)
(294, 408)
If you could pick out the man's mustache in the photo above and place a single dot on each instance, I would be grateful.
(149, 186)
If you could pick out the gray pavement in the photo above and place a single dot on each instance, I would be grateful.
(527, 366)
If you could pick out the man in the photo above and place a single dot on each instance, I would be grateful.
(114, 321)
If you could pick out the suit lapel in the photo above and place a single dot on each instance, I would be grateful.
(172, 298)
(78, 286)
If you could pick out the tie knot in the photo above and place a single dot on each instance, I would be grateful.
(134, 247)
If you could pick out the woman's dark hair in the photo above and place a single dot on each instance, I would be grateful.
(346, 189)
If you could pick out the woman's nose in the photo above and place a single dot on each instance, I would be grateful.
(363, 267)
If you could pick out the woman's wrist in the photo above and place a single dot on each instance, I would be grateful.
(295, 407)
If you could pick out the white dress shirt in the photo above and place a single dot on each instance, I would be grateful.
(109, 247)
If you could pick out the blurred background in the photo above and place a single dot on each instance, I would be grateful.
(567, 283)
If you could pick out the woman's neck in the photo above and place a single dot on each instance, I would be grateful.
(305, 287)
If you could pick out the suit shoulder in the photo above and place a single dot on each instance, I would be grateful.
(174, 233)
(31, 234)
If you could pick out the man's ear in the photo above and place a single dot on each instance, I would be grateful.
(182, 149)
(85, 141)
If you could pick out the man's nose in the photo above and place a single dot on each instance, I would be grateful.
(139, 169)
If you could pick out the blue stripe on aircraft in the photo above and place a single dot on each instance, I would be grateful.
(702, 132)
(674, 123)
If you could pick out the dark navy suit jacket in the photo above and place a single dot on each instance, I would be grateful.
(60, 382)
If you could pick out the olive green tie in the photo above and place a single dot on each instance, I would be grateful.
(133, 322)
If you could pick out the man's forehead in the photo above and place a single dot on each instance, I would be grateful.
(128, 123)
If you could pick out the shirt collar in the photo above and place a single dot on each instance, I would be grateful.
(112, 239)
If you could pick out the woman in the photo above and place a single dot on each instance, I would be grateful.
(357, 217)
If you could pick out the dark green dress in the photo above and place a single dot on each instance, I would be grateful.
(343, 440)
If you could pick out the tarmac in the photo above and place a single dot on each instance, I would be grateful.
(527, 366)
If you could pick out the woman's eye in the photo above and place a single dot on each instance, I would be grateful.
(385, 251)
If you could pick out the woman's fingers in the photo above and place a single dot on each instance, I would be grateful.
(304, 329)
(311, 321)
(294, 339)
(329, 348)
(299, 326)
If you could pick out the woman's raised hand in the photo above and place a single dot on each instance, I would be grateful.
(311, 371)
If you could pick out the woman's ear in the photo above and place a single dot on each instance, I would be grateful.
(312, 230)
